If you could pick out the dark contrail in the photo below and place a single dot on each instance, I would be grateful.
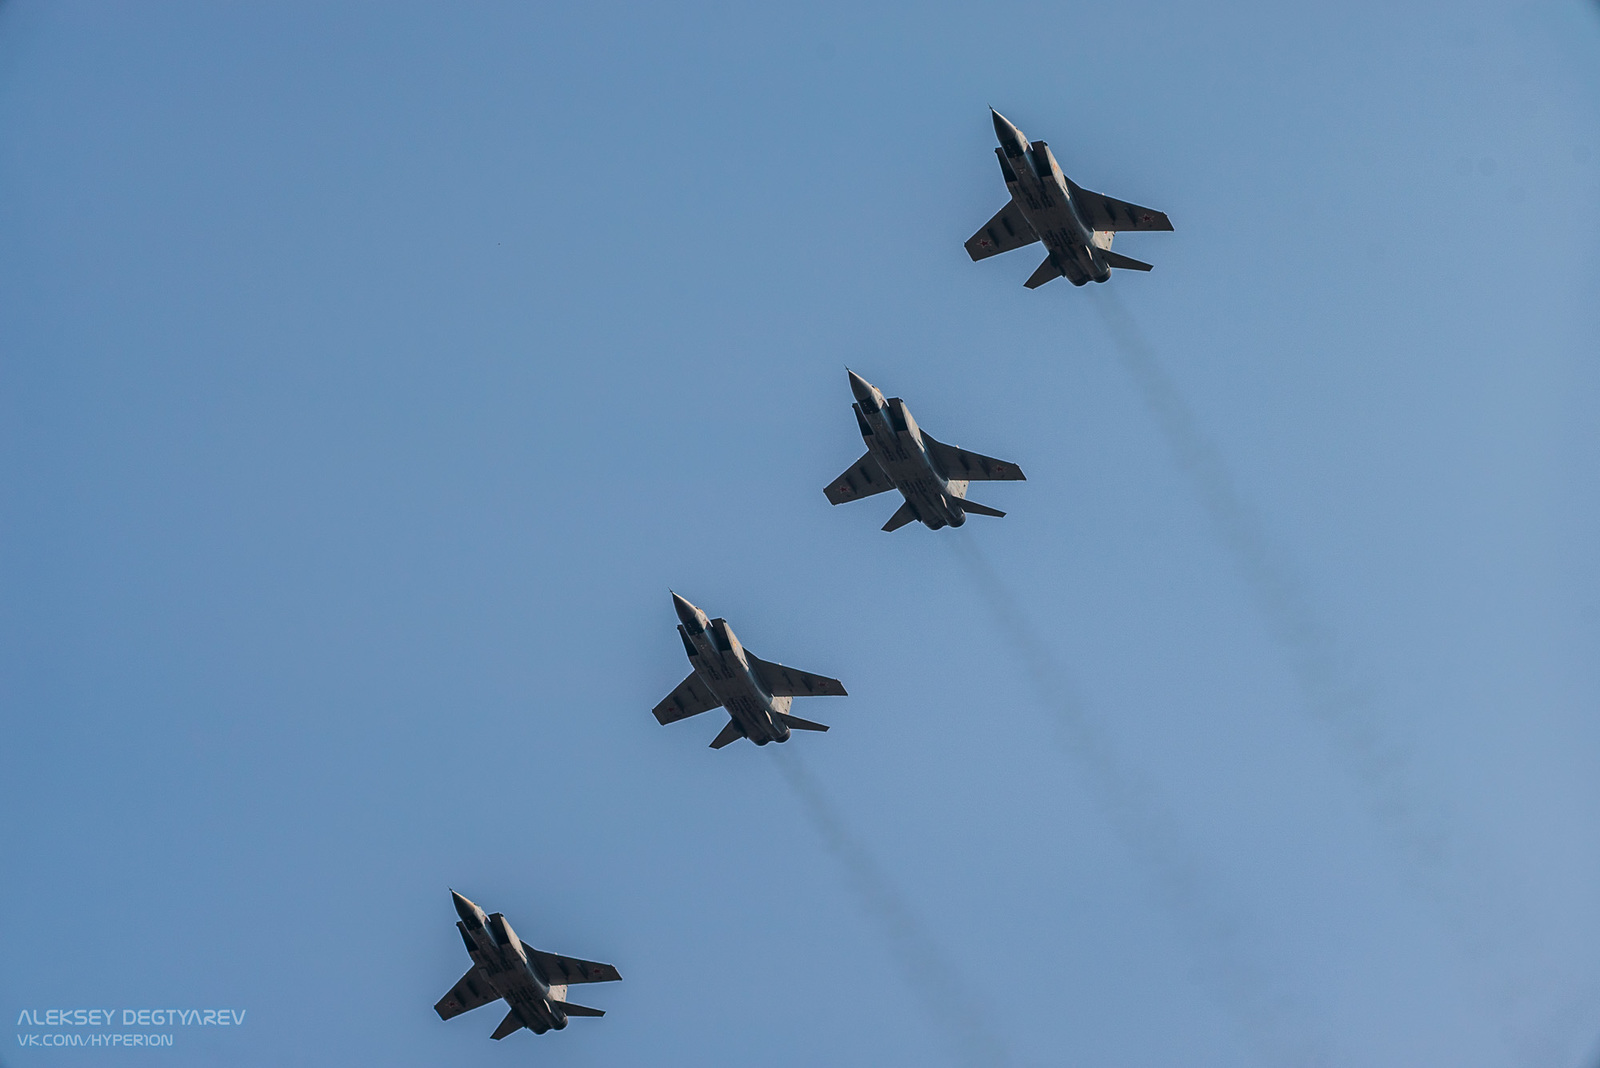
(1150, 833)
(1329, 694)
(926, 971)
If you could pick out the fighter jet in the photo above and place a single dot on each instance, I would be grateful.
(931, 475)
(532, 982)
(1075, 225)
(756, 692)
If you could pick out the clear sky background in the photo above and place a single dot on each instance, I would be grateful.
(370, 371)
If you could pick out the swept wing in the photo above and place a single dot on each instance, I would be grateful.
(690, 698)
(1006, 231)
(1100, 212)
(783, 681)
(972, 466)
(470, 992)
(864, 478)
(558, 969)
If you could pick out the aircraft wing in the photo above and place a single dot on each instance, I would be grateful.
(690, 699)
(972, 466)
(864, 478)
(1006, 231)
(471, 992)
(1100, 212)
(791, 682)
(558, 969)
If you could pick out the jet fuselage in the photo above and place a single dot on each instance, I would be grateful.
(720, 662)
(495, 948)
(1040, 191)
(895, 441)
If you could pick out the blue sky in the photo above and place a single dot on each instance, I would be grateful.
(369, 373)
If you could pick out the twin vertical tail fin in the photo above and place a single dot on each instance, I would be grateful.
(510, 1025)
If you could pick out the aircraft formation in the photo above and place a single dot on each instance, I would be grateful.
(1076, 227)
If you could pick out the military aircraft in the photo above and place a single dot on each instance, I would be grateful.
(534, 983)
(931, 475)
(756, 692)
(1075, 225)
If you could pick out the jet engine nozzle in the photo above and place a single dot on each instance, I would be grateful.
(1011, 138)
(470, 914)
(694, 621)
(866, 393)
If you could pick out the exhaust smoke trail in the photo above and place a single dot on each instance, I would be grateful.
(1150, 833)
(931, 977)
(1330, 696)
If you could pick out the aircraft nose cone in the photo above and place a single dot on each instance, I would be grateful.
(869, 397)
(465, 909)
(1009, 135)
(688, 614)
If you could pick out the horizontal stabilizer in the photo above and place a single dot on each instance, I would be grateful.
(1047, 270)
(1126, 263)
(801, 724)
(903, 515)
(576, 1010)
(974, 508)
(729, 734)
(509, 1025)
